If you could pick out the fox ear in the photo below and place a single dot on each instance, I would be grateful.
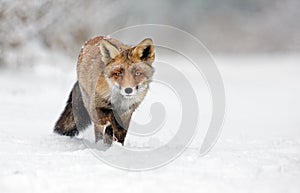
(108, 51)
(144, 51)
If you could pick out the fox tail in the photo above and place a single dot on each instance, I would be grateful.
(75, 117)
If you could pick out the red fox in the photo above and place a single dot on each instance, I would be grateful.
(113, 79)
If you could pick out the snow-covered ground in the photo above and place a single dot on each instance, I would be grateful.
(258, 151)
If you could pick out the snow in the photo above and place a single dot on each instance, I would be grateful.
(259, 149)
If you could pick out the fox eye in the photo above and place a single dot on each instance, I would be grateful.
(117, 74)
(137, 73)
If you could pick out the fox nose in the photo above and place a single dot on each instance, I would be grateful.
(128, 90)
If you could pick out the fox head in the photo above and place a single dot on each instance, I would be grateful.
(128, 73)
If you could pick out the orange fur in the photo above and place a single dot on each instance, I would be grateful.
(113, 79)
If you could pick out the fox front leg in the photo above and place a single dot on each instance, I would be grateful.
(119, 132)
(108, 135)
(119, 135)
(103, 129)
(98, 131)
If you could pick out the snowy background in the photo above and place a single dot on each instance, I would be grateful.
(256, 48)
